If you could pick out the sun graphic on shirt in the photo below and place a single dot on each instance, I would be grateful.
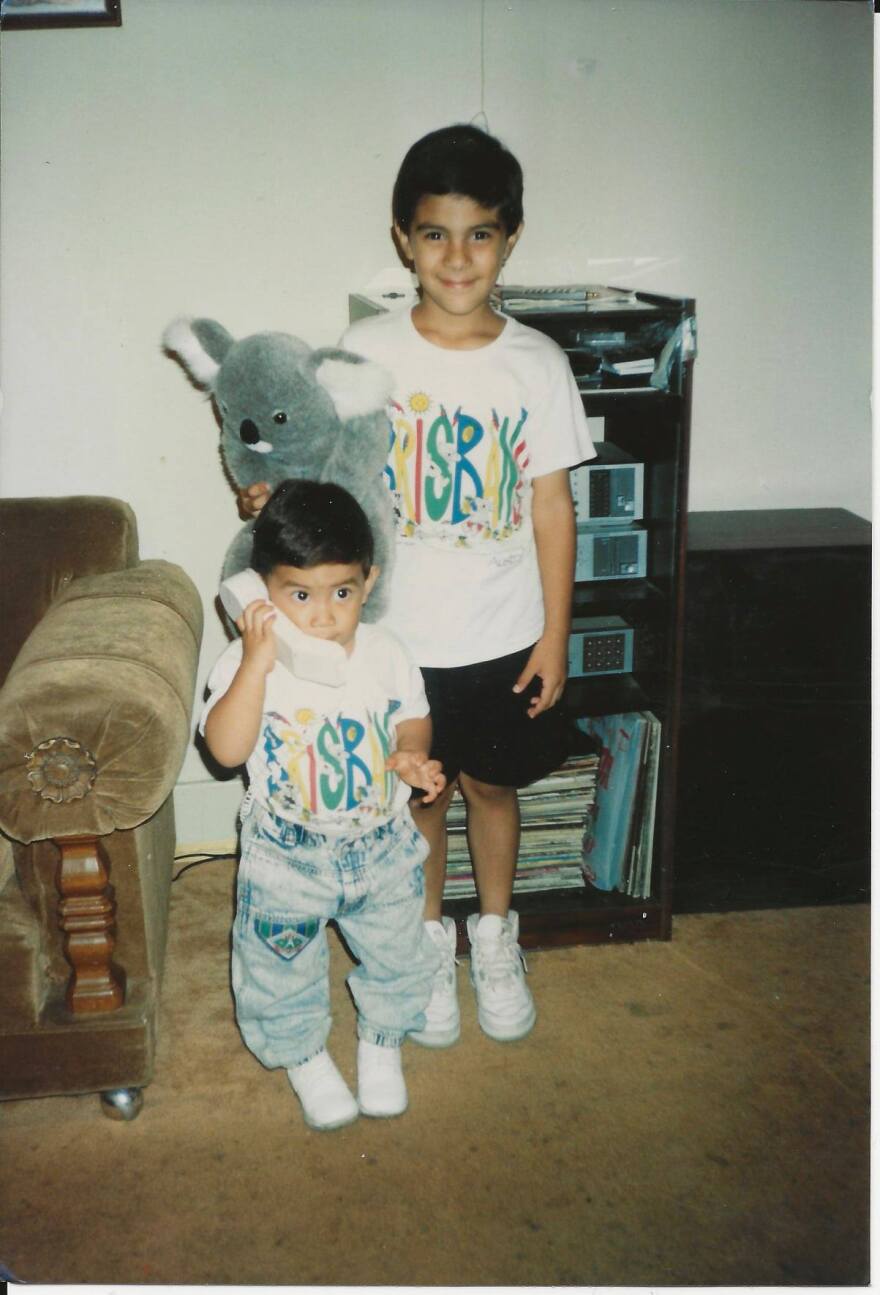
(419, 402)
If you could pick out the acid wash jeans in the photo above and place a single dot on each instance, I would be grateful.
(290, 883)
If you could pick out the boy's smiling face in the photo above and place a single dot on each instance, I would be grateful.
(457, 249)
(324, 601)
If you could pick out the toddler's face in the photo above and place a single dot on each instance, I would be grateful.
(324, 601)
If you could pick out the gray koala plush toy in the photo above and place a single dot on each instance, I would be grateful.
(287, 410)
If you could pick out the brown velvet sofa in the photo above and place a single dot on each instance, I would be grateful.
(98, 656)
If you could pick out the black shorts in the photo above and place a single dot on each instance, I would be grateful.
(482, 728)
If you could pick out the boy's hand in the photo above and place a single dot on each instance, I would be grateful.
(251, 499)
(257, 636)
(414, 768)
(549, 660)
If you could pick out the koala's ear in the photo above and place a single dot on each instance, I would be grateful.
(200, 345)
(355, 386)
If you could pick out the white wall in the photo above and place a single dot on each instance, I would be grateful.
(236, 159)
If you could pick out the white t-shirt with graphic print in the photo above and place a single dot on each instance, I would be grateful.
(320, 757)
(470, 431)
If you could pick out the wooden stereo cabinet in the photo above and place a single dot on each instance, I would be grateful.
(632, 355)
(775, 744)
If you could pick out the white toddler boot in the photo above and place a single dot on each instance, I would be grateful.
(326, 1098)
(381, 1086)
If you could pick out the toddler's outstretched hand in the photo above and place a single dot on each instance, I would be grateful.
(417, 770)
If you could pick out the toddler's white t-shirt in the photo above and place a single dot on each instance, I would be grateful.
(470, 431)
(320, 756)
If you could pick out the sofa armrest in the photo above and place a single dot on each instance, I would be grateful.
(95, 711)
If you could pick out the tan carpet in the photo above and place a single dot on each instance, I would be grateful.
(691, 1113)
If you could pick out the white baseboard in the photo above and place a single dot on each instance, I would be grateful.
(205, 816)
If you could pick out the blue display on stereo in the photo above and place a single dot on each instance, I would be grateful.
(611, 553)
(610, 489)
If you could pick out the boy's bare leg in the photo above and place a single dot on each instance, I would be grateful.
(493, 830)
(431, 822)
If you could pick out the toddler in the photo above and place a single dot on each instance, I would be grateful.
(326, 829)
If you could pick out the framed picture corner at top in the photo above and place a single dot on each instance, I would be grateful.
(32, 15)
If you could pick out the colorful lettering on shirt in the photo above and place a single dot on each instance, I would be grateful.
(437, 482)
(322, 765)
(456, 473)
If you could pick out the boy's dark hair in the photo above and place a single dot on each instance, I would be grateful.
(460, 160)
(307, 523)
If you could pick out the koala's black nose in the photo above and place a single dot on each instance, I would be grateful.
(249, 432)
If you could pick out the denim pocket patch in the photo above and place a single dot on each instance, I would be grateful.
(286, 939)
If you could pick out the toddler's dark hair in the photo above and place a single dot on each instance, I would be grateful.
(307, 523)
(461, 160)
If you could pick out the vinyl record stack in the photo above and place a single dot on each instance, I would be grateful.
(619, 837)
(554, 812)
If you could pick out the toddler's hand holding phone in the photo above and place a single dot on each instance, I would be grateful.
(257, 635)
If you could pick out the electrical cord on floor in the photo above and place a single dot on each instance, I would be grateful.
(198, 860)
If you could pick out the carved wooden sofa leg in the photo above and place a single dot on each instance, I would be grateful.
(86, 915)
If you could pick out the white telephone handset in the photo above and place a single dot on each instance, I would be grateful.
(316, 660)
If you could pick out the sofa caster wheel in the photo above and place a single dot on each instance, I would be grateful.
(122, 1103)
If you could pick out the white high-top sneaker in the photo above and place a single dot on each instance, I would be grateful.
(505, 1008)
(442, 1018)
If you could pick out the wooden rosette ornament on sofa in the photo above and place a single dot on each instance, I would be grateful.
(98, 658)
(61, 770)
